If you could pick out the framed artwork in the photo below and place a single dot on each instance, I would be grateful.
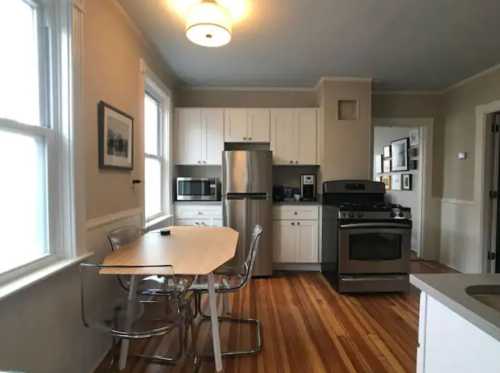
(116, 138)
(387, 151)
(414, 137)
(406, 182)
(414, 164)
(387, 166)
(399, 149)
(386, 179)
(396, 182)
(378, 163)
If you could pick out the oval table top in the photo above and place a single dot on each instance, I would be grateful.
(189, 250)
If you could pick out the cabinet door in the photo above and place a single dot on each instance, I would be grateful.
(307, 241)
(284, 241)
(307, 127)
(188, 135)
(213, 138)
(283, 136)
(235, 125)
(258, 125)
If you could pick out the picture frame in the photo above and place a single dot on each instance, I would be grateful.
(387, 151)
(116, 138)
(378, 163)
(386, 179)
(386, 166)
(414, 137)
(396, 182)
(407, 181)
(399, 151)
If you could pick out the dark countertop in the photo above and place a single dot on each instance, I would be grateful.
(296, 203)
(215, 203)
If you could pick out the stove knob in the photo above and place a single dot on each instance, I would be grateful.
(393, 215)
(351, 215)
(401, 215)
(360, 214)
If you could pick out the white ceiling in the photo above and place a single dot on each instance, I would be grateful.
(401, 44)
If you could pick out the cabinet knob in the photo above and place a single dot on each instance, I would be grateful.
(298, 223)
(295, 213)
(293, 223)
(291, 162)
(249, 138)
(296, 162)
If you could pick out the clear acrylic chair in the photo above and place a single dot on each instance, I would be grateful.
(231, 281)
(138, 316)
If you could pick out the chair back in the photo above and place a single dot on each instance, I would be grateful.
(252, 255)
(123, 236)
(120, 237)
(105, 308)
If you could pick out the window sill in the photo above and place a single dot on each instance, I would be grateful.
(157, 222)
(39, 275)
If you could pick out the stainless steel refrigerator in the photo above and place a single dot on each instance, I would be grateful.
(247, 201)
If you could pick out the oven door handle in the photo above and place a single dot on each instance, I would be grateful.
(375, 225)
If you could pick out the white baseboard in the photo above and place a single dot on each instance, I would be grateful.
(305, 267)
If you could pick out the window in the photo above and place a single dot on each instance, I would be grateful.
(156, 125)
(31, 137)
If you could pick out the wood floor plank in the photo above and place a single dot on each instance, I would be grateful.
(307, 327)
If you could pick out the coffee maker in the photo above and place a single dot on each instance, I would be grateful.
(308, 187)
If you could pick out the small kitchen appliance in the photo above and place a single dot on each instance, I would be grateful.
(308, 187)
(198, 189)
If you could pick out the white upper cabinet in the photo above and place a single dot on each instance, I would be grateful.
(235, 125)
(199, 136)
(246, 125)
(258, 125)
(188, 135)
(213, 127)
(294, 136)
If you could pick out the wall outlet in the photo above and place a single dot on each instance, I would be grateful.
(462, 156)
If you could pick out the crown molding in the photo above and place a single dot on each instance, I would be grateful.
(488, 71)
(342, 79)
(408, 93)
(248, 89)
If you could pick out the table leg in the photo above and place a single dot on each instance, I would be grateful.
(130, 314)
(212, 300)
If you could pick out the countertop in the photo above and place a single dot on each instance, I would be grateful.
(296, 203)
(216, 203)
(449, 289)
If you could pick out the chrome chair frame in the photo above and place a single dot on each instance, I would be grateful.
(222, 288)
(183, 323)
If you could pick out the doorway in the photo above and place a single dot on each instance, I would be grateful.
(494, 250)
(417, 193)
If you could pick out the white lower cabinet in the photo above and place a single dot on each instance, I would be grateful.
(199, 222)
(295, 239)
(198, 214)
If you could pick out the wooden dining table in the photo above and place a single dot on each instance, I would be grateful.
(189, 251)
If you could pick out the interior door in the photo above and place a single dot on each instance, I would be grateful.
(307, 128)
(259, 125)
(284, 241)
(213, 138)
(188, 147)
(307, 232)
(236, 128)
(284, 136)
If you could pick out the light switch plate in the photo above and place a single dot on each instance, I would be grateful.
(461, 156)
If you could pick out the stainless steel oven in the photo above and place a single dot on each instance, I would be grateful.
(374, 247)
(198, 189)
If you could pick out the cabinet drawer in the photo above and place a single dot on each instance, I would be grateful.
(198, 212)
(295, 212)
(199, 222)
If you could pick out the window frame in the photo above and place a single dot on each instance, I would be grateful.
(163, 97)
(57, 112)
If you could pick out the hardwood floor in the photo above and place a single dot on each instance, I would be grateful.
(308, 327)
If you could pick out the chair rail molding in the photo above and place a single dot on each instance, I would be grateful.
(110, 218)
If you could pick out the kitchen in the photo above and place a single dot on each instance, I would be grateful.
(276, 128)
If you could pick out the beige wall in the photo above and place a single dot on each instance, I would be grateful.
(459, 105)
(246, 98)
(345, 145)
(113, 49)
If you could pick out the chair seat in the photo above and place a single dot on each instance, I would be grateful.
(222, 283)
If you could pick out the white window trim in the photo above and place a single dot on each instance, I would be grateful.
(155, 87)
(65, 16)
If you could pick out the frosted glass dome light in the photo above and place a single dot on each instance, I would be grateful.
(208, 24)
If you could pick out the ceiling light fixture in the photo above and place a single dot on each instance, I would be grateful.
(208, 24)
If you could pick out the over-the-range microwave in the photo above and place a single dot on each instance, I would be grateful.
(198, 189)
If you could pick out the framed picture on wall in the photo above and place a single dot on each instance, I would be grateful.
(387, 151)
(399, 149)
(378, 163)
(387, 166)
(116, 138)
(396, 182)
(414, 137)
(407, 181)
(386, 179)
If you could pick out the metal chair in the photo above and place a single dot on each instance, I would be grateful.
(230, 282)
(138, 316)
